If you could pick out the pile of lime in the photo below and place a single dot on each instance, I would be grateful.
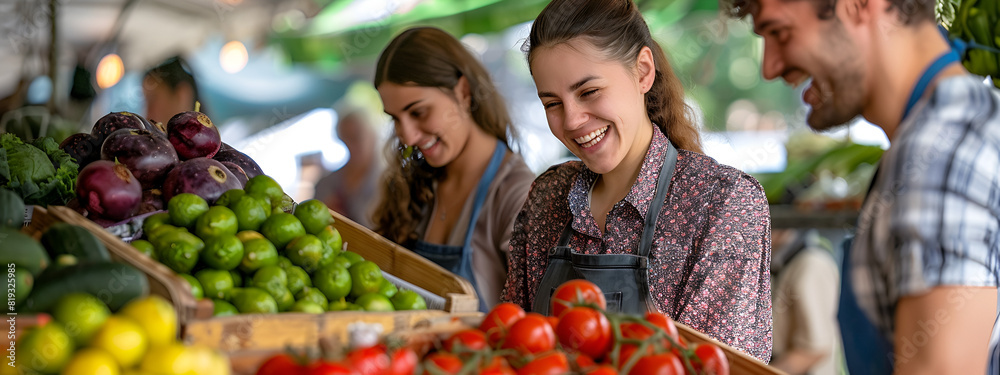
(250, 256)
(84, 337)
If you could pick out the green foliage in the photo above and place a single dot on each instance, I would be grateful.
(40, 172)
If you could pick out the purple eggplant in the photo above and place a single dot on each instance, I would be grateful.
(203, 177)
(239, 172)
(115, 121)
(234, 156)
(147, 155)
(82, 147)
(193, 135)
(109, 190)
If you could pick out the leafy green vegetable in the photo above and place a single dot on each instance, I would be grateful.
(40, 173)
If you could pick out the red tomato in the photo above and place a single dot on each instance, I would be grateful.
(658, 364)
(574, 293)
(442, 363)
(601, 370)
(553, 363)
(585, 330)
(665, 323)
(553, 321)
(628, 350)
(582, 360)
(497, 366)
(369, 361)
(711, 360)
(466, 340)
(532, 334)
(329, 368)
(498, 321)
(402, 362)
(639, 331)
(280, 364)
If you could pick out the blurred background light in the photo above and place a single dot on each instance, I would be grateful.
(109, 71)
(233, 57)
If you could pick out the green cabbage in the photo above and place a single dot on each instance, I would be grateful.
(40, 173)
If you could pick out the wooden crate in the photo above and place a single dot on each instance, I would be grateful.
(739, 363)
(162, 280)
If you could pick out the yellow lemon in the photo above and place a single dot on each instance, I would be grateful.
(123, 338)
(91, 361)
(44, 349)
(169, 359)
(156, 316)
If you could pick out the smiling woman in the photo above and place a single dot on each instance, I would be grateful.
(453, 188)
(645, 216)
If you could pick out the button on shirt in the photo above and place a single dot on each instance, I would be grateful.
(711, 251)
(933, 215)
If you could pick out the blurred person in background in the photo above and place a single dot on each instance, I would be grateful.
(805, 286)
(919, 291)
(453, 187)
(169, 89)
(353, 190)
(656, 224)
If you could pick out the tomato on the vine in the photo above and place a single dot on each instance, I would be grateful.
(582, 361)
(552, 363)
(711, 360)
(498, 321)
(442, 363)
(497, 366)
(402, 362)
(665, 323)
(585, 330)
(466, 340)
(577, 292)
(530, 335)
(322, 367)
(280, 364)
(369, 361)
(658, 364)
(628, 350)
(553, 321)
(601, 370)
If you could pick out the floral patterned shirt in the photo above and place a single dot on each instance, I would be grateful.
(710, 257)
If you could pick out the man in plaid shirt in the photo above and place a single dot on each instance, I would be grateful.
(919, 291)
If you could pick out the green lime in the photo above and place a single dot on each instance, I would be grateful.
(247, 235)
(374, 302)
(408, 300)
(387, 288)
(286, 204)
(281, 295)
(196, 289)
(284, 262)
(340, 261)
(215, 283)
(334, 281)
(311, 294)
(366, 278)
(185, 208)
(281, 229)
(352, 257)
(331, 237)
(264, 186)
(250, 212)
(223, 308)
(270, 275)
(253, 300)
(144, 247)
(307, 307)
(223, 252)
(230, 196)
(154, 236)
(298, 278)
(155, 220)
(81, 314)
(44, 349)
(257, 253)
(314, 215)
(218, 221)
(237, 278)
(180, 251)
(338, 305)
(307, 251)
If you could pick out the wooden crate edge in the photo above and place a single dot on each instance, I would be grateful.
(740, 362)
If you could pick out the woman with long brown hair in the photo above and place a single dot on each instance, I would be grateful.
(453, 188)
(644, 215)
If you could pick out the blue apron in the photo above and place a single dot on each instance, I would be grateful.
(458, 259)
(866, 349)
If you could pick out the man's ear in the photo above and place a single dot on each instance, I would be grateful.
(646, 68)
(463, 92)
(860, 11)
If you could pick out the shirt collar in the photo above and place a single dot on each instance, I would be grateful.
(639, 197)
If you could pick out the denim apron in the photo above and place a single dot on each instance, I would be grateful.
(622, 277)
(458, 259)
(866, 349)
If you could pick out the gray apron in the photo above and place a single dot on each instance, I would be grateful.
(624, 278)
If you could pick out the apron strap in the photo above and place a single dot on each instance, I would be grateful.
(483, 189)
(656, 206)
